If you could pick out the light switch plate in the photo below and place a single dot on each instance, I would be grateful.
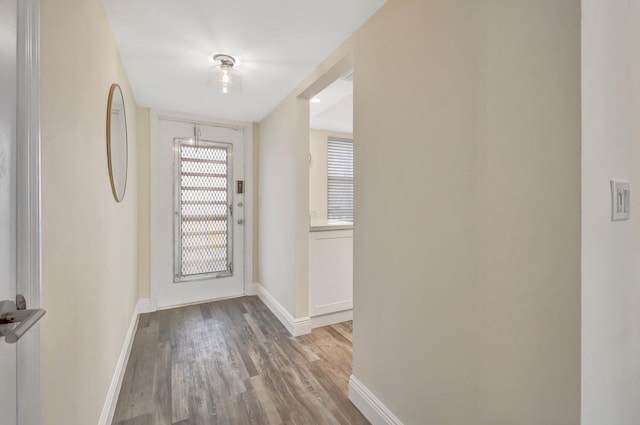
(620, 200)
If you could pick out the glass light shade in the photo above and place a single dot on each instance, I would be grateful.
(225, 78)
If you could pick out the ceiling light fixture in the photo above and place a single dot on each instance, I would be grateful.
(316, 100)
(223, 76)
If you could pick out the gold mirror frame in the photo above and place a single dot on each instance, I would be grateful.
(116, 168)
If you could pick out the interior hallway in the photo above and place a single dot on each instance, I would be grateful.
(486, 263)
(232, 362)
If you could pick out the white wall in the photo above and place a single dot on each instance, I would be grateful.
(282, 212)
(283, 206)
(467, 277)
(89, 241)
(318, 170)
(144, 203)
(530, 214)
(467, 222)
(610, 251)
(415, 277)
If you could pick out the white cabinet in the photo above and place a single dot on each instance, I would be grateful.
(330, 271)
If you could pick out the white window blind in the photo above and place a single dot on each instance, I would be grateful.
(340, 179)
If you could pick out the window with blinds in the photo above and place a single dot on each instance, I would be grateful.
(340, 179)
(203, 223)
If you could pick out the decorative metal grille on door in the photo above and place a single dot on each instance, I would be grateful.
(203, 210)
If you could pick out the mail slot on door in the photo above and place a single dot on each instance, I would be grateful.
(240, 186)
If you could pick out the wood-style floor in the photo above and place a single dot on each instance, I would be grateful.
(232, 362)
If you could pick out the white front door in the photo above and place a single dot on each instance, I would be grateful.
(8, 223)
(200, 212)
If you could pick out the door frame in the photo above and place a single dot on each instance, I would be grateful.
(28, 205)
(154, 152)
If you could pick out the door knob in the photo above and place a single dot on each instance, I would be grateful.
(240, 221)
(12, 315)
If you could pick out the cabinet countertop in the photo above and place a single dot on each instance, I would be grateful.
(329, 225)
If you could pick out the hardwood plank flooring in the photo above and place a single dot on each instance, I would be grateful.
(232, 362)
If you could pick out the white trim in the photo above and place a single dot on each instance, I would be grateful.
(28, 204)
(320, 310)
(154, 207)
(370, 406)
(331, 318)
(146, 306)
(296, 327)
(154, 134)
(172, 306)
(109, 407)
(248, 211)
(252, 290)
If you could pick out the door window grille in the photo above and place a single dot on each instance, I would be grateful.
(203, 201)
(340, 179)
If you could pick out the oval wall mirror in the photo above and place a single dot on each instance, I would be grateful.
(117, 142)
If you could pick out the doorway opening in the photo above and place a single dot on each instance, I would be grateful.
(331, 204)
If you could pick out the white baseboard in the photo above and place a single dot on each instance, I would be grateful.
(198, 302)
(109, 407)
(296, 327)
(146, 306)
(320, 310)
(370, 406)
(331, 318)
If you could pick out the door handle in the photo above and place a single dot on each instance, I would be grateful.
(10, 315)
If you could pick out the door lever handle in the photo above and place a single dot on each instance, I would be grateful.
(10, 316)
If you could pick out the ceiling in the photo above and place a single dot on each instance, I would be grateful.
(335, 110)
(166, 44)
